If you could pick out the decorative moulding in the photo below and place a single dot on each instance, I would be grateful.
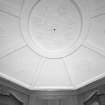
(52, 44)
(53, 33)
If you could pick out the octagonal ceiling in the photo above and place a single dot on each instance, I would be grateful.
(52, 44)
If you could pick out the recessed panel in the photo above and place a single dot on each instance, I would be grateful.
(55, 25)
(85, 66)
(55, 28)
(10, 35)
(53, 74)
(12, 7)
(96, 7)
(96, 34)
(20, 67)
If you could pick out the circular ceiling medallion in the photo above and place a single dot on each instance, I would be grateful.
(53, 28)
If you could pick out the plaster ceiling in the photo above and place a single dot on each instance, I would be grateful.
(52, 44)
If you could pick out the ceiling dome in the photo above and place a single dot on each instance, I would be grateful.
(53, 29)
(52, 44)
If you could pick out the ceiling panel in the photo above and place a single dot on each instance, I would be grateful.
(85, 66)
(12, 7)
(20, 66)
(53, 74)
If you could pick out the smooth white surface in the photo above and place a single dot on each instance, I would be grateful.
(10, 34)
(21, 65)
(53, 74)
(12, 7)
(55, 25)
(71, 27)
(84, 66)
(45, 65)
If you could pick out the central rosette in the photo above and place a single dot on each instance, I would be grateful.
(55, 24)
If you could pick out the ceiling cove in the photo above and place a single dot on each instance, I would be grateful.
(52, 44)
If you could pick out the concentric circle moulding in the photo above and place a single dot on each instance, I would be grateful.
(53, 28)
